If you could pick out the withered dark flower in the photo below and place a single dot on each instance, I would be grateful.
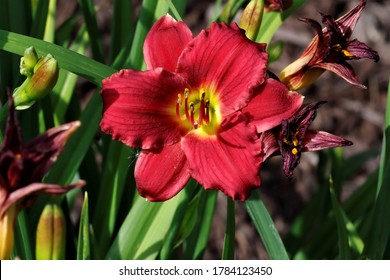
(294, 137)
(277, 5)
(329, 50)
(22, 168)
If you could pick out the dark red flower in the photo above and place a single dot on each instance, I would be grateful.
(329, 50)
(277, 5)
(197, 110)
(293, 137)
(22, 168)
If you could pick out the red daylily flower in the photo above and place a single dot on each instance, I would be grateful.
(197, 110)
(293, 137)
(22, 168)
(329, 50)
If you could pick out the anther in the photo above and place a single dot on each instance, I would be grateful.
(178, 103)
(207, 113)
(192, 108)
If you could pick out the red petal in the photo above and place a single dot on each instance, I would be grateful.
(161, 175)
(139, 107)
(344, 70)
(228, 161)
(348, 22)
(223, 61)
(321, 140)
(269, 144)
(360, 50)
(165, 42)
(272, 103)
(25, 194)
(43, 150)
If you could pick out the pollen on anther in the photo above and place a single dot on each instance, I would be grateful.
(202, 94)
(179, 99)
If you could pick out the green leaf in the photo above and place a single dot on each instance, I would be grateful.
(65, 168)
(23, 248)
(76, 63)
(265, 227)
(87, 6)
(273, 20)
(229, 242)
(179, 221)
(113, 180)
(379, 232)
(83, 241)
(122, 27)
(145, 228)
(196, 243)
(344, 250)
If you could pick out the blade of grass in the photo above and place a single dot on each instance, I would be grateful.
(39, 18)
(229, 242)
(76, 63)
(50, 22)
(178, 221)
(344, 250)
(144, 229)
(111, 189)
(265, 227)
(88, 8)
(83, 241)
(65, 168)
(23, 248)
(385, 153)
(379, 229)
(135, 59)
(196, 243)
(272, 21)
(122, 27)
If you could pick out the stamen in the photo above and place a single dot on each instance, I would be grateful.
(346, 53)
(192, 108)
(178, 106)
(202, 107)
(186, 93)
(207, 114)
(294, 151)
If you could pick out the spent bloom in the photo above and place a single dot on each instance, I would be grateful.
(329, 50)
(197, 109)
(277, 5)
(293, 137)
(22, 168)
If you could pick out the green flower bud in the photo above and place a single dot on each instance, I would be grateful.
(39, 84)
(28, 61)
(51, 233)
(251, 18)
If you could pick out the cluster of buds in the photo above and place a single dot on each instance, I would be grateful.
(42, 75)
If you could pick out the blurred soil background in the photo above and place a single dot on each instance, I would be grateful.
(355, 114)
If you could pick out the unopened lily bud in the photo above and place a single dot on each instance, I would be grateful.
(50, 242)
(251, 18)
(39, 84)
(28, 62)
(7, 223)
